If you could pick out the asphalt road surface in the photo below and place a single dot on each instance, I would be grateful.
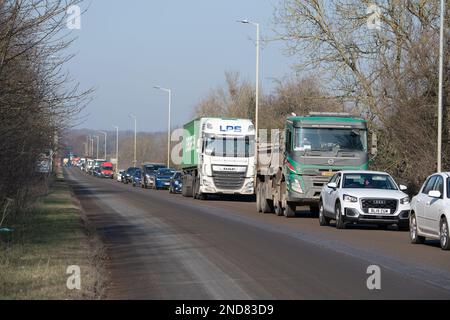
(164, 246)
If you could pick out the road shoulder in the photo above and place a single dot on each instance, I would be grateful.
(47, 245)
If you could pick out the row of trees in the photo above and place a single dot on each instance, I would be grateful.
(37, 98)
(382, 60)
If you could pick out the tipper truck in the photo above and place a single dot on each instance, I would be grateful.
(218, 157)
(300, 159)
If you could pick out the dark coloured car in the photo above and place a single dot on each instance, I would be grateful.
(136, 179)
(128, 176)
(176, 183)
(162, 178)
(148, 173)
(96, 172)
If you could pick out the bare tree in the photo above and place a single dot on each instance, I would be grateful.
(386, 71)
(38, 100)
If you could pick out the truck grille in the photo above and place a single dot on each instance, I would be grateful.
(320, 181)
(228, 180)
(379, 204)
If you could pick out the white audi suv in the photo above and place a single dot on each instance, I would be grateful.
(364, 197)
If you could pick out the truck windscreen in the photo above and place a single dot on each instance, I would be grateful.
(230, 147)
(330, 139)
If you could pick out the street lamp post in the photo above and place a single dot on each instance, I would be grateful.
(257, 74)
(441, 80)
(135, 137)
(91, 147)
(97, 137)
(168, 122)
(106, 135)
(87, 146)
(117, 149)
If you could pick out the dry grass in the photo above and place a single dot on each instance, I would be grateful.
(45, 241)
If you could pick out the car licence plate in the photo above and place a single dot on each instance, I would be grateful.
(379, 211)
(167, 183)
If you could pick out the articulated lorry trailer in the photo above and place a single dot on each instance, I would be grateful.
(218, 157)
(300, 159)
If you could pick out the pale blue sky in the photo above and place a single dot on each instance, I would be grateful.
(124, 48)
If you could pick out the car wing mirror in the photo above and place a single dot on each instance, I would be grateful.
(332, 185)
(403, 187)
(435, 194)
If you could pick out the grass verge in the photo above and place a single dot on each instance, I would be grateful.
(45, 241)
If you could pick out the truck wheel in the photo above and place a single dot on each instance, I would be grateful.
(196, 188)
(185, 191)
(278, 209)
(258, 197)
(266, 204)
(323, 220)
(444, 235)
(340, 224)
(202, 196)
(289, 211)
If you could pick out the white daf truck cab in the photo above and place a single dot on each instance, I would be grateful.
(218, 157)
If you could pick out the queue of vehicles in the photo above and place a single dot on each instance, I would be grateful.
(319, 160)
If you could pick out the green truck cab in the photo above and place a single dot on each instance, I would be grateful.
(292, 170)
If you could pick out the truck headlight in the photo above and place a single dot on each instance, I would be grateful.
(405, 200)
(296, 186)
(349, 198)
(206, 183)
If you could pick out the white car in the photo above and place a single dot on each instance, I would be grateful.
(431, 211)
(364, 197)
(119, 175)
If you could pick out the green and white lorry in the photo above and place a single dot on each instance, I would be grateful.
(218, 157)
(300, 159)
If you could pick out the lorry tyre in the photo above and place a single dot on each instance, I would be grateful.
(186, 189)
(258, 197)
(266, 204)
(340, 224)
(278, 209)
(196, 188)
(289, 211)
